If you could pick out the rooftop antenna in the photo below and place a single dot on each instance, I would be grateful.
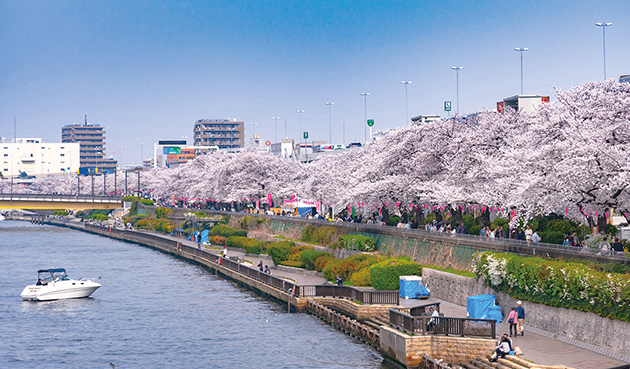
(86, 119)
(14, 130)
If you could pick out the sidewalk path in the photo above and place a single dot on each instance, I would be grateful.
(535, 347)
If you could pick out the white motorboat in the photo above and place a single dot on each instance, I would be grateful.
(54, 284)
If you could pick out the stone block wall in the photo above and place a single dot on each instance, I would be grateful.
(359, 312)
(408, 349)
(582, 329)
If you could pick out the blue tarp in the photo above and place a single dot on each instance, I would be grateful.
(483, 307)
(304, 211)
(204, 236)
(411, 287)
(176, 230)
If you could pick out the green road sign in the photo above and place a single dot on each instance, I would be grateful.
(370, 122)
(305, 134)
(447, 106)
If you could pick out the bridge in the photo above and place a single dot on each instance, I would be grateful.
(51, 201)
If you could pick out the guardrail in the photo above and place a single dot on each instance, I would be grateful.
(279, 283)
(442, 325)
(482, 242)
(60, 198)
(364, 296)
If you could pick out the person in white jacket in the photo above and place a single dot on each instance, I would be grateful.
(501, 350)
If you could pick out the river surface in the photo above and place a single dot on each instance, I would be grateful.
(153, 311)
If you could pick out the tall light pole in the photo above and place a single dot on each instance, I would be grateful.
(300, 112)
(604, 25)
(275, 120)
(141, 154)
(330, 104)
(253, 131)
(456, 69)
(365, 95)
(406, 83)
(521, 49)
(120, 147)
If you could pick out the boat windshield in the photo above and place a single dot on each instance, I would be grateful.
(49, 275)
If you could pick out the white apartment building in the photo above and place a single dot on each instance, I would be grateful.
(37, 158)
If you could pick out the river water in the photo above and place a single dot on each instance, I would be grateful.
(153, 311)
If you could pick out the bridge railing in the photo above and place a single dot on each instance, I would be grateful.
(381, 297)
(59, 198)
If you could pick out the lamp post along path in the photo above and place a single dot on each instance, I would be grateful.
(365, 95)
(456, 69)
(330, 104)
(521, 49)
(604, 25)
(406, 83)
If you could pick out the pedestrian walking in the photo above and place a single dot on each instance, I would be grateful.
(260, 266)
(512, 321)
(528, 235)
(521, 317)
(536, 238)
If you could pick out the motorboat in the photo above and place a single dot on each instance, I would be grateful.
(54, 284)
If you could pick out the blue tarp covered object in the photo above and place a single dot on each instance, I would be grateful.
(483, 307)
(204, 236)
(304, 211)
(411, 287)
(176, 230)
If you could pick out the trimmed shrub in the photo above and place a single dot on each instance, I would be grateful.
(318, 235)
(309, 257)
(236, 241)
(217, 240)
(60, 212)
(558, 283)
(552, 237)
(279, 251)
(225, 231)
(294, 264)
(361, 278)
(162, 213)
(255, 247)
(357, 242)
(331, 268)
(322, 261)
(143, 223)
(385, 274)
(393, 221)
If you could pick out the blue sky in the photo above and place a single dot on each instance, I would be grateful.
(147, 70)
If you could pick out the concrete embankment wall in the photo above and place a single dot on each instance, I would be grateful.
(586, 330)
(164, 246)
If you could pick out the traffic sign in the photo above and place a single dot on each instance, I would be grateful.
(370, 122)
(268, 143)
(305, 134)
(447, 106)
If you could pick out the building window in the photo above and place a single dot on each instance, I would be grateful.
(43, 148)
(6, 154)
(63, 154)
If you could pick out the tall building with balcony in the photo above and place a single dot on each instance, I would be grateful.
(224, 133)
(35, 158)
(91, 139)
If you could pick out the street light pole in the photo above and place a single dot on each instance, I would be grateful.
(120, 155)
(330, 104)
(365, 95)
(604, 25)
(275, 119)
(456, 69)
(253, 131)
(300, 112)
(141, 154)
(406, 83)
(521, 49)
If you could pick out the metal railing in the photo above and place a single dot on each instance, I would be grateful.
(483, 242)
(60, 198)
(364, 296)
(442, 325)
(279, 283)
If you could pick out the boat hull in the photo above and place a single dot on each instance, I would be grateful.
(59, 291)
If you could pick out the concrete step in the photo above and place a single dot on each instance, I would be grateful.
(479, 364)
(470, 366)
(496, 365)
(373, 324)
(511, 363)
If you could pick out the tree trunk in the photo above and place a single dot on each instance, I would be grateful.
(404, 217)
(485, 217)
(385, 215)
(457, 216)
(601, 223)
(438, 217)
(420, 216)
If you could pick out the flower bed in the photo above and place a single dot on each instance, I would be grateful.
(558, 283)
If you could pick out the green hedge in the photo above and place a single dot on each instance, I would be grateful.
(309, 258)
(237, 241)
(60, 212)
(552, 237)
(225, 231)
(162, 213)
(294, 264)
(318, 235)
(279, 251)
(558, 283)
(385, 275)
(357, 242)
(101, 217)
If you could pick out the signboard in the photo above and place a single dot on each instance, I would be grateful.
(174, 150)
(447, 106)
(370, 122)
(268, 143)
(172, 142)
(305, 135)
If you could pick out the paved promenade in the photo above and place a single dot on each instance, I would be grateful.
(535, 347)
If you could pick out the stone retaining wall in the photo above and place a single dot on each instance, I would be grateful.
(587, 330)
(359, 312)
(408, 350)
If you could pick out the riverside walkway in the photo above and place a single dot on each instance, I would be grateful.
(536, 348)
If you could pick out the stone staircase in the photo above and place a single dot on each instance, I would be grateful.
(378, 321)
(510, 362)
